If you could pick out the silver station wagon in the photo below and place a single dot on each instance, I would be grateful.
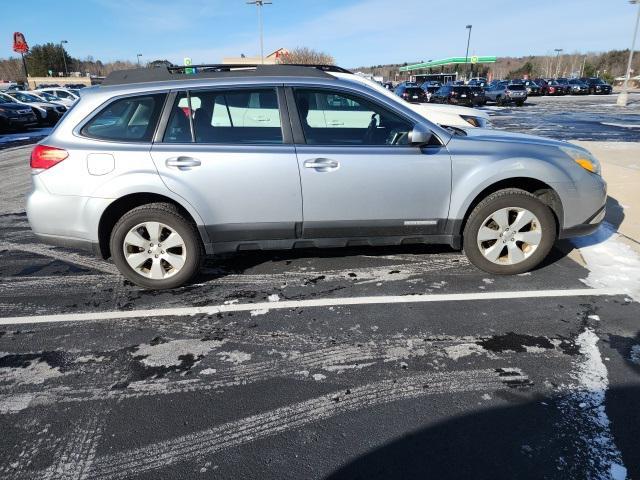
(157, 168)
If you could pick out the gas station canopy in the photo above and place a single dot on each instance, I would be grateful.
(448, 61)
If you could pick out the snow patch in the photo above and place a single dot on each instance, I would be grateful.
(612, 263)
(318, 377)
(455, 352)
(168, 354)
(35, 373)
(259, 311)
(584, 409)
(208, 371)
(273, 298)
(235, 356)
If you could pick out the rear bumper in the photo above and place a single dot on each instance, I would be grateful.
(70, 242)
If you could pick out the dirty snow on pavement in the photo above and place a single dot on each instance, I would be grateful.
(584, 409)
(611, 263)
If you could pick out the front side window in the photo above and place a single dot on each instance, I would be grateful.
(337, 118)
(242, 116)
(131, 119)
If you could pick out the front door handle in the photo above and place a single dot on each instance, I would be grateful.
(322, 164)
(183, 163)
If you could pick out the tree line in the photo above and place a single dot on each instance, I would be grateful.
(52, 57)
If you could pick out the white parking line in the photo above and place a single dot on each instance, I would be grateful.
(321, 302)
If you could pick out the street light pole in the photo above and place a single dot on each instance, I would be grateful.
(138, 57)
(260, 4)
(624, 94)
(466, 55)
(64, 57)
(558, 50)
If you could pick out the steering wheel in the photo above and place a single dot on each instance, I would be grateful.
(371, 129)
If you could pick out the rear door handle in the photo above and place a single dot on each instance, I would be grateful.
(322, 164)
(183, 163)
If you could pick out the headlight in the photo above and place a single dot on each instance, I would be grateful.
(475, 121)
(583, 158)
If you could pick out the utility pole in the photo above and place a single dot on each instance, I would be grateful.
(584, 62)
(466, 56)
(624, 94)
(138, 57)
(260, 4)
(558, 50)
(64, 57)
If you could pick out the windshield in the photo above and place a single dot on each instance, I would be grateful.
(48, 96)
(24, 97)
(6, 98)
(597, 81)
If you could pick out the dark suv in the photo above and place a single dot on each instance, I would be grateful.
(597, 86)
(412, 93)
(454, 94)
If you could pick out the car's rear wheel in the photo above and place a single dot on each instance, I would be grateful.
(156, 247)
(509, 232)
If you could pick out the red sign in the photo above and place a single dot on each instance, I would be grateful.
(19, 43)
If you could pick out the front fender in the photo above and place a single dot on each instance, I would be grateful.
(472, 176)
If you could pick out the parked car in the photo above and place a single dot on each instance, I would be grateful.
(48, 97)
(15, 116)
(444, 115)
(479, 98)
(564, 83)
(477, 82)
(542, 83)
(430, 88)
(554, 88)
(63, 93)
(578, 87)
(454, 94)
(158, 190)
(533, 89)
(413, 94)
(47, 113)
(504, 93)
(75, 86)
(388, 85)
(597, 86)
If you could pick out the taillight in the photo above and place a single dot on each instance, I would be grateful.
(405, 95)
(43, 156)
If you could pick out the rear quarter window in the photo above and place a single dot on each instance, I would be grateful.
(130, 119)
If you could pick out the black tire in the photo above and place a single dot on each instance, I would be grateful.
(169, 215)
(511, 197)
(498, 100)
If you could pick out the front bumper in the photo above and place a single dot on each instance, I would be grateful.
(589, 226)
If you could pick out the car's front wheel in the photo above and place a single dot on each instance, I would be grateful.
(156, 247)
(509, 232)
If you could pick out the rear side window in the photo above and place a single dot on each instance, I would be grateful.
(245, 116)
(131, 119)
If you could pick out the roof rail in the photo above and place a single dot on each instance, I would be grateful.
(165, 73)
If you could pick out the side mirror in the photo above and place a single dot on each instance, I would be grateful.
(420, 135)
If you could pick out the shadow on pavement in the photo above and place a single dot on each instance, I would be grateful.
(522, 441)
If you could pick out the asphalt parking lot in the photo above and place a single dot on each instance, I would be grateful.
(362, 363)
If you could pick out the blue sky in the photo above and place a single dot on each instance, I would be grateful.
(356, 33)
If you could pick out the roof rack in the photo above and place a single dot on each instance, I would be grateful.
(166, 73)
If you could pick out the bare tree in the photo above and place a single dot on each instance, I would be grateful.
(307, 56)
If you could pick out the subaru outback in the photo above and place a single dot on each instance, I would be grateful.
(158, 168)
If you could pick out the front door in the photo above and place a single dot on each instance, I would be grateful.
(360, 177)
(224, 152)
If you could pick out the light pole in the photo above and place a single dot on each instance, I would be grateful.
(624, 94)
(64, 57)
(138, 58)
(557, 50)
(260, 4)
(466, 55)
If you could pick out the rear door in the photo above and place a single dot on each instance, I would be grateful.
(228, 152)
(361, 178)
